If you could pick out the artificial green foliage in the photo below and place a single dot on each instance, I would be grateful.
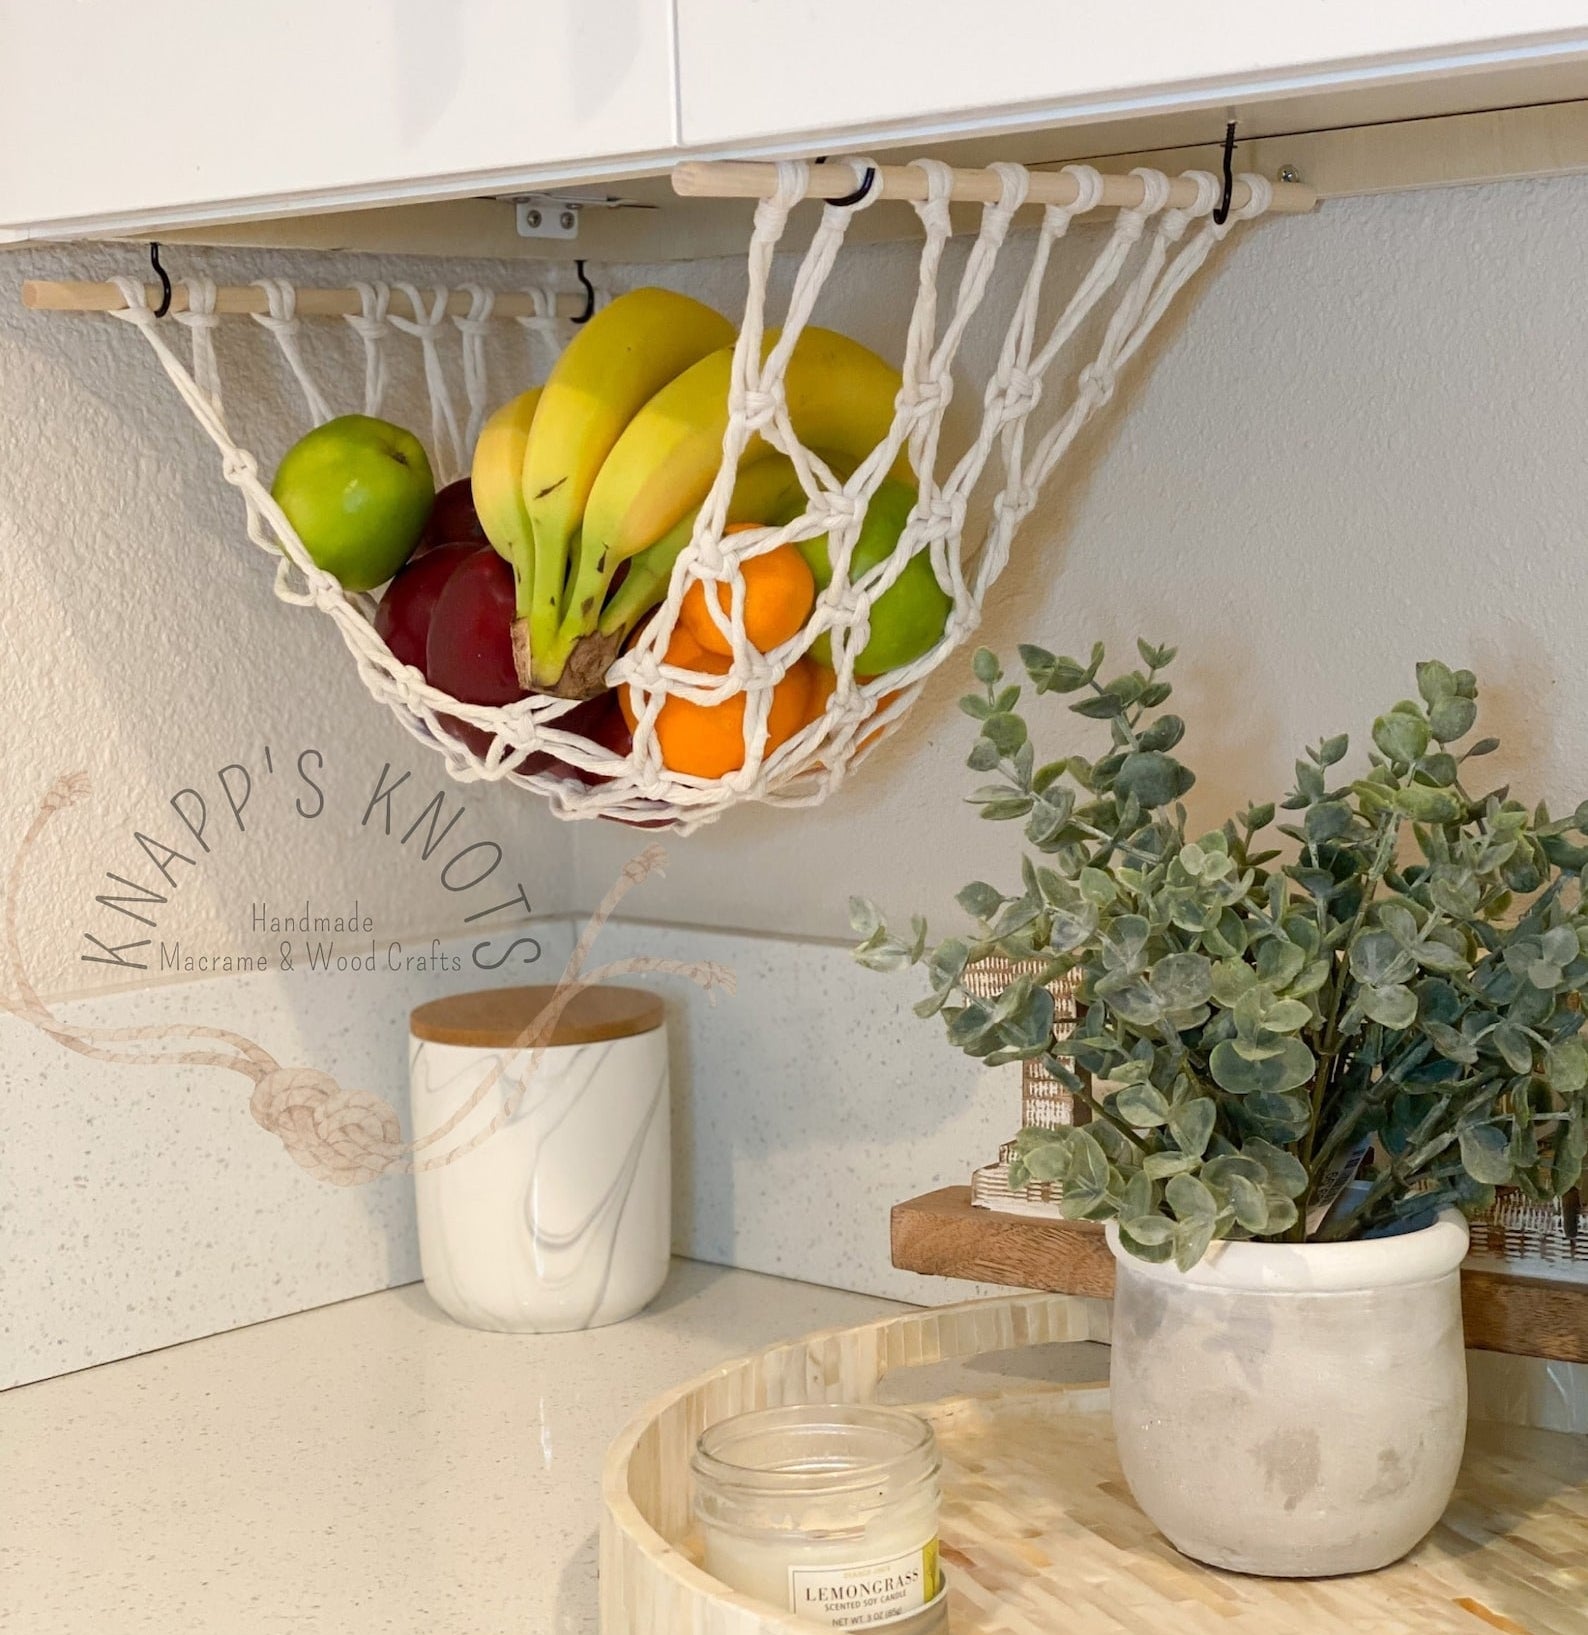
(1390, 993)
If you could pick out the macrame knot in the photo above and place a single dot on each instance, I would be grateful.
(792, 178)
(934, 209)
(475, 323)
(282, 318)
(1155, 188)
(425, 325)
(1210, 189)
(710, 560)
(835, 510)
(1096, 384)
(1088, 187)
(239, 467)
(369, 326)
(644, 670)
(200, 313)
(136, 311)
(758, 408)
(1016, 503)
(926, 398)
(346, 1137)
(1130, 225)
(962, 625)
(943, 516)
(1021, 393)
(1260, 196)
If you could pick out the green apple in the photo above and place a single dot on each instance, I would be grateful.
(909, 617)
(358, 491)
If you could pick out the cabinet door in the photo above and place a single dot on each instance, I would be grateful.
(759, 70)
(201, 109)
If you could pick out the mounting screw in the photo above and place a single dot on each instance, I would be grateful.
(540, 216)
(1289, 173)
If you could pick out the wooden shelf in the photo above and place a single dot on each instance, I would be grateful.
(942, 1234)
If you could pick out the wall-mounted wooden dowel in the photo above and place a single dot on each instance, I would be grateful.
(45, 295)
(749, 179)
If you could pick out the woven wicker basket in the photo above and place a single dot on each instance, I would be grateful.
(1044, 1103)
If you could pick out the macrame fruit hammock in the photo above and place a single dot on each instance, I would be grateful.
(805, 705)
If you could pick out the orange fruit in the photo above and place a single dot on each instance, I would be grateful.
(779, 593)
(824, 683)
(707, 740)
(687, 653)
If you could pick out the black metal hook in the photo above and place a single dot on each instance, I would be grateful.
(1221, 211)
(589, 293)
(165, 281)
(866, 183)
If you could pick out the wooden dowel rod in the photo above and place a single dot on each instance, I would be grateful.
(47, 295)
(748, 179)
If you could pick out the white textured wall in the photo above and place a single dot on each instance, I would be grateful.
(1362, 443)
(143, 644)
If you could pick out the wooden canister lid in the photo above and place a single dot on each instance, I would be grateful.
(494, 1018)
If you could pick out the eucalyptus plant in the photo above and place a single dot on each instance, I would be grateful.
(1391, 999)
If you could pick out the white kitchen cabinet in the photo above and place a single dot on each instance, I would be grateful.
(761, 71)
(173, 115)
(189, 110)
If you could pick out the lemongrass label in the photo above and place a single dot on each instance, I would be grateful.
(867, 1595)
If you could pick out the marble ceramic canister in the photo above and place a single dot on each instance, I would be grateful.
(543, 1182)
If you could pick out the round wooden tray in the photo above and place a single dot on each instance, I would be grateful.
(1039, 1531)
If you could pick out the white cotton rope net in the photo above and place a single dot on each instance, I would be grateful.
(1145, 259)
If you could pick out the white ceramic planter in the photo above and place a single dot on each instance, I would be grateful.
(561, 1219)
(1295, 1410)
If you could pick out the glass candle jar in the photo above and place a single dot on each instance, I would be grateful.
(826, 1511)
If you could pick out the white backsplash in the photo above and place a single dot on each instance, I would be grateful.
(808, 1104)
(142, 1205)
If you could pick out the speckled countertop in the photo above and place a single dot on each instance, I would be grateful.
(369, 1466)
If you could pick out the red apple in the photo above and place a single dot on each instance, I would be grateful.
(601, 722)
(452, 520)
(469, 652)
(403, 618)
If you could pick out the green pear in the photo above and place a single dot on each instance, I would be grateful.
(358, 491)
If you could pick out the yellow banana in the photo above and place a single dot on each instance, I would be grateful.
(767, 490)
(619, 360)
(840, 395)
(497, 476)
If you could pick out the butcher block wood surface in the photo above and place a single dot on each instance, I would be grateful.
(941, 1234)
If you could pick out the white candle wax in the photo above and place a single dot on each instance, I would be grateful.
(828, 1512)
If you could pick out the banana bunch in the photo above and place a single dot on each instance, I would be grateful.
(609, 464)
